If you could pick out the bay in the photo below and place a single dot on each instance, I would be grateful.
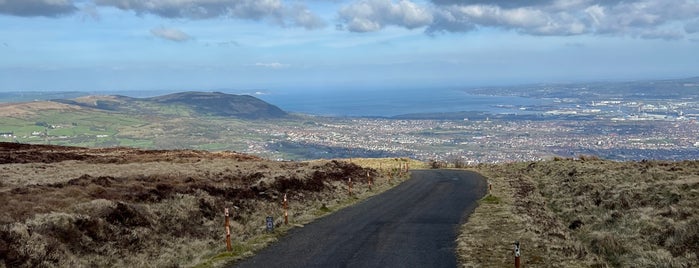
(392, 102)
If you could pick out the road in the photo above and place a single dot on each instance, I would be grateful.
(414, 224)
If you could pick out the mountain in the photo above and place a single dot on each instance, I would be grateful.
(222, 104)
(203, 103)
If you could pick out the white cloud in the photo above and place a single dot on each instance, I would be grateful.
(638, 18)
(373, 15)
(303, 17)
(171, 34)
(272, 65)
(274, 11)
(527, 20)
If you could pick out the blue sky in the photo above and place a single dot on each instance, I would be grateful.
(95, 45)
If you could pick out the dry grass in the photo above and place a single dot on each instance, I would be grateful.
(587, 213)
(31, 108)
(388, 166)
(77, 207)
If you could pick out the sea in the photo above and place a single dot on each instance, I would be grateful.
(393, 102)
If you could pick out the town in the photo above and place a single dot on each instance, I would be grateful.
(492, 141)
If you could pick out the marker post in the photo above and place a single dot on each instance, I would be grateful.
(369, 179)
(228, 231)
(286, 211)
(517, 253)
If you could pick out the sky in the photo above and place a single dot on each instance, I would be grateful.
(139, 45)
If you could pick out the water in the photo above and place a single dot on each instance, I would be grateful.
(394, 102)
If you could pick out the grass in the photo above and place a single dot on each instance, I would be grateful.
(72, 207)
(388, 166)
(490, 199)
(586, 212)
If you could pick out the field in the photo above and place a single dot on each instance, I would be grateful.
(586, 212)
(121, 207)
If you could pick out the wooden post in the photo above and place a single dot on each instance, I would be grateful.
(349, 186)
(369, 179)
(286, 212)
(228, 232)
(517, 253)
(490, 187)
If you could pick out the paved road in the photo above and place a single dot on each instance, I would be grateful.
(412, 225)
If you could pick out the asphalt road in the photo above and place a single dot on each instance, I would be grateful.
(412, 225)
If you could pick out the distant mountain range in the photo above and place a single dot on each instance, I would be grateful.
(201, 103)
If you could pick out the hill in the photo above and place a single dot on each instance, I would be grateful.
(194, 120)
(586, 212)
(221, 104)
(202, 103)
(123, 207)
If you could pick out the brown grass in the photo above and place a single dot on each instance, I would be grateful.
(72, 207)
(587, 212)
(30, 108)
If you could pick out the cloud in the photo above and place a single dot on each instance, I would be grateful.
(528, 20)
(374, 15)
(665, 35)
(35, 8)
(302, 17)
(272, 65)
(171, 34)
(638, 18)
(500, 3)
(692, 27)
(274, 11)
(574, 44)
(226, 44)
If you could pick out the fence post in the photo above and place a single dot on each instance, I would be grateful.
(517, 253)
(286, 212)
(349, 186)
(369, 179)
(228, 232)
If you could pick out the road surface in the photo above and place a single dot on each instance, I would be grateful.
(412, 225)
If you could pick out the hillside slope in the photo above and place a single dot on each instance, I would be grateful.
(203, 103)
(221, 104)
(122, 207)
(587, 212)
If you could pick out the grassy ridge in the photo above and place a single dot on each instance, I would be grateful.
(586, 213)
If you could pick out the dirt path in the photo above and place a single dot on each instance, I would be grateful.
(412, 225)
